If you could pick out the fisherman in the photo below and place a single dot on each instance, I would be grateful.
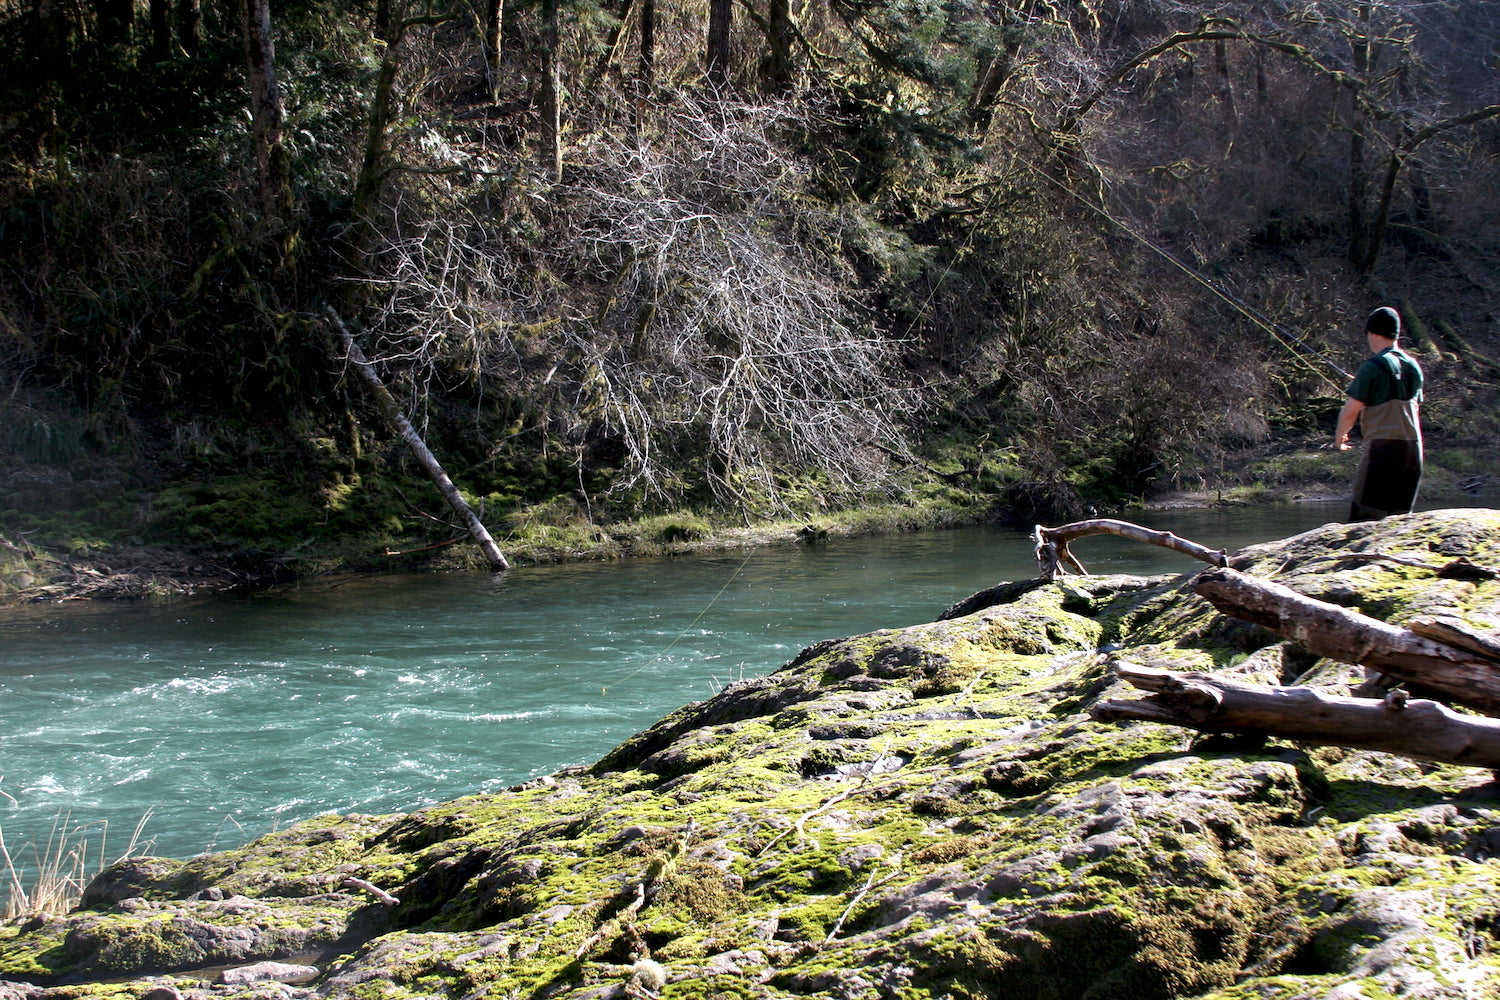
(1385, 398)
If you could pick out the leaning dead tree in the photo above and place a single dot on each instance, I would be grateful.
(1442, 657)
(391, 410)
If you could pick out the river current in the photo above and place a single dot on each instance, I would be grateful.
(218, 721)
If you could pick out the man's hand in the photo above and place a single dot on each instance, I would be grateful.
(1347, 417)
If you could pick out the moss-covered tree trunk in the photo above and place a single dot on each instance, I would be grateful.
(271, 161)
(551, 92)
(494, 38)
(776, 74)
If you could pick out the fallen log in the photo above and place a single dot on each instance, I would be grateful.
(391, 410)
(1455, 632)
(1456, 675)
(1053, 556)
(1412, 728)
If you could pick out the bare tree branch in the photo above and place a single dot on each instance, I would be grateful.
(1053, 556)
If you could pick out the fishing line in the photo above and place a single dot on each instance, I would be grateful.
(686, 628)
(1286, 338)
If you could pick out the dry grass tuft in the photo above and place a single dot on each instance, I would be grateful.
(51, 878)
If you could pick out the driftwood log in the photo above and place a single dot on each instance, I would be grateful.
(1455, 632)
(1443, 657)
(1412, 728)
(393, 414)
(1053, 556)
(1457, 675)
(374, 890)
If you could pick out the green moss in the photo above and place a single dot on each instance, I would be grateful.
(1091, 952)
(28, 954)
(95, 991)
(811, 817)
(667, 529)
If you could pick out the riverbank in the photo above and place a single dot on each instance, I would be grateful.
(29, 574)
(923, 812)
(110, 563)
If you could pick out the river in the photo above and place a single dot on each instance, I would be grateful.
(218, 721)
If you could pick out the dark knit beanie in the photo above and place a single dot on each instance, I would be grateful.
(1385, 322)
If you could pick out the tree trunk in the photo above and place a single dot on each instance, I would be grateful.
(116, 20)
(996, 72)
(1225, 82)
(372, 172)
(494, 27)
(776, 75)
(190, 25)
(391, 410)
(272, 167)
(1420, 729)
(1398, 157)
(612, 43)
(1362, 52)
(48, 40)
(720, 16)
(551, 92)
(161, 30)
(1458, 676)
(372, 160)
(648, 44)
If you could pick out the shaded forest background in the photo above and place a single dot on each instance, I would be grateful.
(662, 262)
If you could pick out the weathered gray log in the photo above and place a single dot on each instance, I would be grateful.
(274, 972)
(1416, 728)
(1323, 629)
(425, 458)
(1456, 632)
(1053, 556)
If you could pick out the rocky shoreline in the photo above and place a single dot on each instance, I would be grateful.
(918, 812)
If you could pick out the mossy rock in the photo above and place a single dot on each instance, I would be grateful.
(920, 812)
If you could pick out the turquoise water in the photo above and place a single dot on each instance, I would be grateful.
(220, 720)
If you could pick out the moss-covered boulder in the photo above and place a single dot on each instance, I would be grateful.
(918, 812)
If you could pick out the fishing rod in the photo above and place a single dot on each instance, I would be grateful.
(1290, 341)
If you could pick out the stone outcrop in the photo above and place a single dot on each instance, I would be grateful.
(927, 811)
